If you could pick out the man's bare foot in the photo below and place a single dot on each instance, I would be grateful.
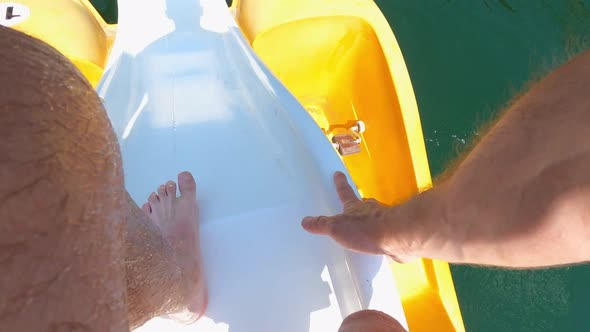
(178, 220)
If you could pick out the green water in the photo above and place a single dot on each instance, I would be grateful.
(467, 59)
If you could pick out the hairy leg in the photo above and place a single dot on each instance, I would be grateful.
(150, 269)
(61, 199)
(164, 271)
(74, 247)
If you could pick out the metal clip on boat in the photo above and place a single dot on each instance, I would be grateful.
(349, 143)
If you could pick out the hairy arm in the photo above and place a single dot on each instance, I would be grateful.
(521, 198)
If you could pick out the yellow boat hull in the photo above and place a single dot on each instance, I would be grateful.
(74, 28)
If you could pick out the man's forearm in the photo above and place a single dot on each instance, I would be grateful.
(521, 198)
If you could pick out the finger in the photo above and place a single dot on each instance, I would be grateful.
(345, 191)
(317, 225)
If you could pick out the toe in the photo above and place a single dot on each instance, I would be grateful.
(171, 188)
(162, 191)
(153, 199)
(187, 184)
(146, 208)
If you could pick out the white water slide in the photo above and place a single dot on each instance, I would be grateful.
(185, 91)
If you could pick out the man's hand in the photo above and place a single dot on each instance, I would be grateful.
(364, 226)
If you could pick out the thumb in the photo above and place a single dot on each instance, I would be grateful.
(318, 225)
(344, 189)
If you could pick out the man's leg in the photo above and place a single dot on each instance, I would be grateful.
(164, 274)
(61, 197)
(74, 248)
